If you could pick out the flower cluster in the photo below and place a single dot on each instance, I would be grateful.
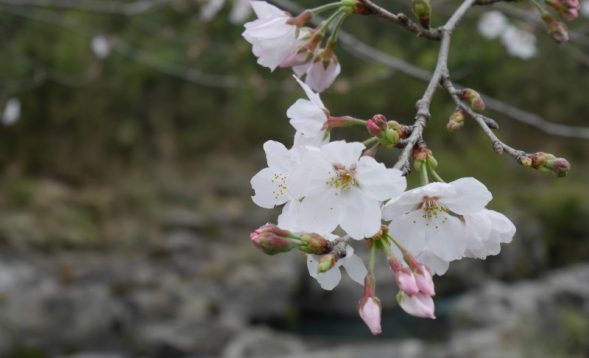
(280, 40)
(328, 187)
(335, 193)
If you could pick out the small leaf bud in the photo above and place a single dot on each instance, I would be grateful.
(422, 10)
(456, 121)
(474, 99)
(315, 244)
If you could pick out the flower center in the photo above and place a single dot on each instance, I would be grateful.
(432, 209)
(344, 178)
(279, 180)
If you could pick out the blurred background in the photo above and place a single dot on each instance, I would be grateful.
(130, 131)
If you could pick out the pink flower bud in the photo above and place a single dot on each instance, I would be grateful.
(272, 240)
(570, 14)
(369, 309)
(404, 277)
(425, 282)
(406, 281)
(556, 29)
(419, 305)
(373, 128)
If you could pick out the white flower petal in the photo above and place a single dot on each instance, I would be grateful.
(433, 262)
(446, 237)
(270, 188)
(277, 156)
(361, 215)
(265, 10)
(340, 152)
(306, 117)
(471, 196)
(355, 268)
(410, 231)
(320, 212)
(379, 182)
(313, 97)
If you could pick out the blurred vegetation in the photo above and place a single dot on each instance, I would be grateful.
(125, 126)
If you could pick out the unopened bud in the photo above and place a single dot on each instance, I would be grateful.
(376, 124)
(389, 138)
(369, 309)
(556, 29)
(474, 99)
(373, 128)
(326, 263)
(561, 166)
(456, 121)
(315, 244)
(272, 240)
(422, 10)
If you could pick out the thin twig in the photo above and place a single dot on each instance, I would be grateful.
(498, 146)
(370, 8)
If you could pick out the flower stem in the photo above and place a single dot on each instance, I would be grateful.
(325, 7)
(372, 257)
(327, 23)
(368, 142)
(423, 175)
(539, 7)
(333, 37)
(435, 174)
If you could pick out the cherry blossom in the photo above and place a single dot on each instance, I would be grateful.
(330, 279)
(489, 230)
(309, 116)
(492, 24)
(272, 184)
(11, 112)
(428, 217)
(369, 309)
(345, 188)
(321, 72)
(273, 35)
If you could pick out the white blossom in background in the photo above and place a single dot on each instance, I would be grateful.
(492, 24)
(100, 46)
(585, 8)
(240, 10)
(273, 39)
(342, 187)
(11, 112)
(330, 279)
(426, 220)
(309, 116)
(519, 43)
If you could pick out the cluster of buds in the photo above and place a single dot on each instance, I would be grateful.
(456, 121)
(423, 11)
(273, 240)
(474, 99)
(422, 155)
(388, 132)
(556, 29)
(416, 286)
(567, 9)
(546, 162)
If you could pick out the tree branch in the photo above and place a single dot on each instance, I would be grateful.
(423, 105)
(371, 8)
